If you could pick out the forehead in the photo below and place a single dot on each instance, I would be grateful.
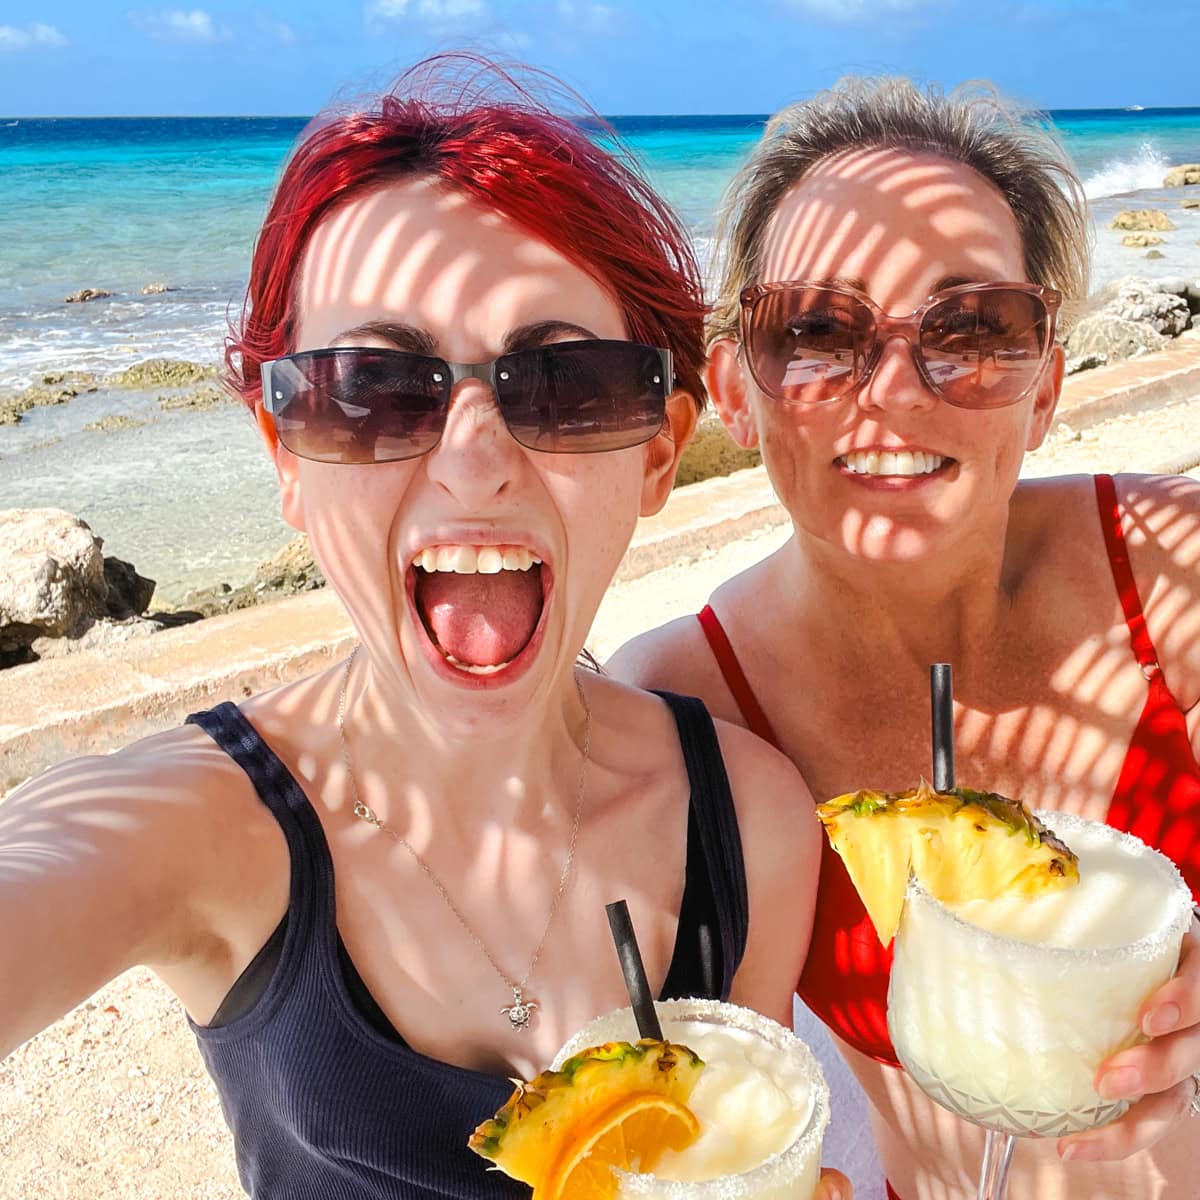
(419, 254)
(896, 220)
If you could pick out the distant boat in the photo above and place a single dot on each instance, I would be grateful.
(1135, 108)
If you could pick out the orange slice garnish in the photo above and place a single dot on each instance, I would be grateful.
(630, 1134)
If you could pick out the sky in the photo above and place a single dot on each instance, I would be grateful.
(250, 57)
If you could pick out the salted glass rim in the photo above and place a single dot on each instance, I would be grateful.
(1148, 946)
(764, 1174)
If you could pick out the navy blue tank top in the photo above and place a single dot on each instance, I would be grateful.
(325, 1100)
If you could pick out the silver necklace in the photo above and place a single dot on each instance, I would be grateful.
(520, 1011)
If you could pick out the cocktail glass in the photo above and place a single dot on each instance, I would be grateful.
(770, 1134)
(1007, 1031)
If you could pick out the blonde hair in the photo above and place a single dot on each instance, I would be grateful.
(972, 125)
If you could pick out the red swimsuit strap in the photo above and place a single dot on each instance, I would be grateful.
(1118, 558)
(735, 677)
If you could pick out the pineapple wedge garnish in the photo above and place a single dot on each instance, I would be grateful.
(526, 1136)
(961, 845)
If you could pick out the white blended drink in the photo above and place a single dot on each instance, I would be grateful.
(761, 1102)
(1002, 1010)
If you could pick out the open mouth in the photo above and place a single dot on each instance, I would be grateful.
(897, 464)
(480, 605)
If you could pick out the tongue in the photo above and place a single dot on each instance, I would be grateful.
(481, 620)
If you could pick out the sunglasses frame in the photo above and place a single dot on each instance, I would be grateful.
(891, 325)
(485, 372)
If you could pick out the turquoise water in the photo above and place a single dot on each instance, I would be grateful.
(122, 203)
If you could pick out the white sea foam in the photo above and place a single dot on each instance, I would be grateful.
(1145, 169)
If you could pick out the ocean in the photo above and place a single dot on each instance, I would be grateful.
(123, 203)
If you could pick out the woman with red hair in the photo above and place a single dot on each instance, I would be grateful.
(472, 343)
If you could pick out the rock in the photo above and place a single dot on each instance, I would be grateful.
(1155, 254)
(1181, 176)
(162, 372)
(55, 388)
(1142, 218)
(51, 576)
(1142, 300)
(1137, 240)
(86, 294)
(1104, 333)
(1190, 202)
(1084, 362)
(129, 594)
(114, 421)
(712, 452)
(155, 289)
(207, 395)
(292, 569)
(57, 591)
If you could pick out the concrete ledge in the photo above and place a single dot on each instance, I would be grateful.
(96, 701)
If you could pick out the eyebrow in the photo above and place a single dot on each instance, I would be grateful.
(420, 341)
(402, 336)
(541, 333)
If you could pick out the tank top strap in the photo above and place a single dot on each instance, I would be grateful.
(311, 868)
(714, 820)
(735, 678)
(1122, 572)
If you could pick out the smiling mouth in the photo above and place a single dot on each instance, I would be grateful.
(479, 605)
(896, 464)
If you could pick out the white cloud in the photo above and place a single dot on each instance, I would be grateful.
(274, 28)
(437, 15)
(854, 10)
(12, 38)
(177, 25)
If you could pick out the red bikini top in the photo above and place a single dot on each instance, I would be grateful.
(1157, 797)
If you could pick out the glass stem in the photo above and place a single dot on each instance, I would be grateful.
(997, 1158)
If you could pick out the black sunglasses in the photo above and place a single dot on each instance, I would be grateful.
(358, 404)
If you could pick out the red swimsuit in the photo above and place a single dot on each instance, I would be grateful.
(845, 978)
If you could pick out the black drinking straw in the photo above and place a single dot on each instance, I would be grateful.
(633, 970)
(941, 700)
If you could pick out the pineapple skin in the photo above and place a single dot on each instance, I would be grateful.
(964, 844)
(523, 1137)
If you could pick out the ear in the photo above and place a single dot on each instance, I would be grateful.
(726, 383)
(1045, 399)
(287, 469)
(664, 450)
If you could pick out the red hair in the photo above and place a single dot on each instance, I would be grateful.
(516, 157)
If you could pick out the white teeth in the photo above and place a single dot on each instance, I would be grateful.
(892, 462)
(472, 669)
(490, 561)
(472, 560)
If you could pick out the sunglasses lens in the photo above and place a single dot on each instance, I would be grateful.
(359, 405)
(808, 345)
(582, 397)
(985, 349)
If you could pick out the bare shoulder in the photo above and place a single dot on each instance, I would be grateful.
(170, 817)
(134, 857)
(666, 657)
(781, 850)
(769, 791)
(1162, 529)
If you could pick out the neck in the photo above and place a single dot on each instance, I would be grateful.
(947, 608)
(514, 773)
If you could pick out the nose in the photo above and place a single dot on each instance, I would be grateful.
(476, 459)
(894, 380)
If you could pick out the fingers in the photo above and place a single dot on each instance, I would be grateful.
(1176, 1005)
(1154, 1067)
(833, 1186)
(1143, 1125)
